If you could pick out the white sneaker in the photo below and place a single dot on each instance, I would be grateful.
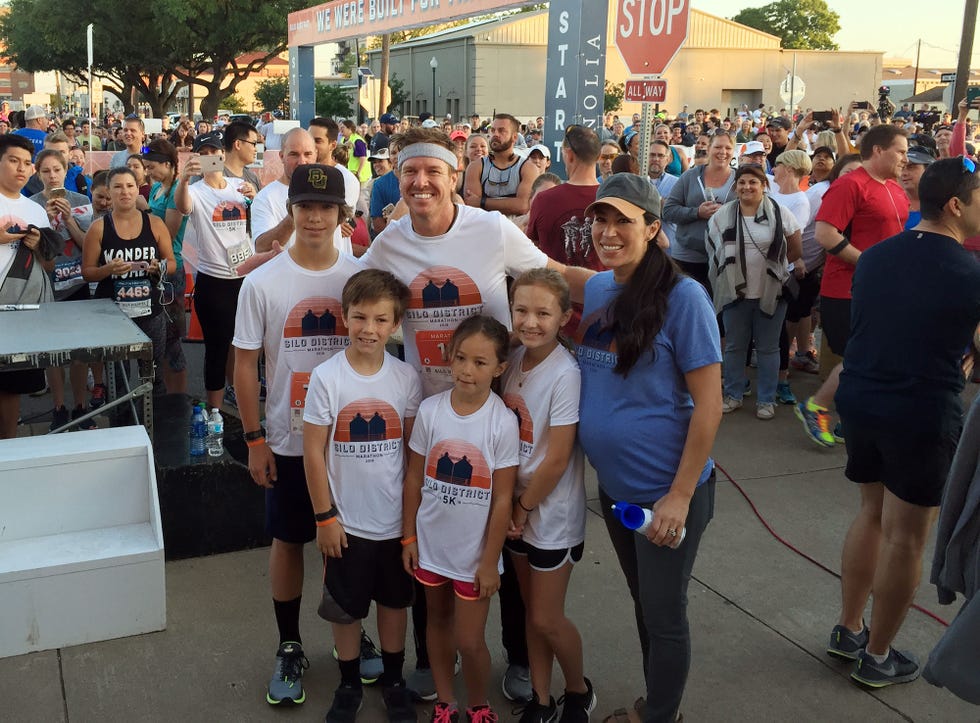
(730, 404)
(765, 410)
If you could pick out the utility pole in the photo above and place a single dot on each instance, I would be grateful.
(915, 78)
(383, 99)
(966, 50)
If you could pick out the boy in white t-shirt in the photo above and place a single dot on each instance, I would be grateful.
(290, 309)
(360, 409)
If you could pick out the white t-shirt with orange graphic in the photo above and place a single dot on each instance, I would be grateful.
(461, 454)
(451, 277)
(216, 240)
(365, 455)
(294, 314)
(546, 397)
(20, 212)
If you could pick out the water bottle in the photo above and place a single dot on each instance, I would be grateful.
(198, 431)
(216, 431)
(636, 518)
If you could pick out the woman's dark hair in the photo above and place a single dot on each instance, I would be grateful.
(752, 170)
(165, 148)
(640, 309)
(118, 171)
(489, 327)
(844, 160)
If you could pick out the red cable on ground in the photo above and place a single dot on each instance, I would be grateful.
(800, 552)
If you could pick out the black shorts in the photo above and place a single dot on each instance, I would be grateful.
(913, 471)
(835, 318)
(809, 289)
(288, 510)
(545, 560)
(82, 293)
(368, 570)
(22, 381)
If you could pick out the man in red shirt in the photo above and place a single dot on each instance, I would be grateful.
(859, 210)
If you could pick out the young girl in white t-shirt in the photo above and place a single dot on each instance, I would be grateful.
(457, 507)
(547, 529)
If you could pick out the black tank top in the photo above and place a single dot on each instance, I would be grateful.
(134, 292)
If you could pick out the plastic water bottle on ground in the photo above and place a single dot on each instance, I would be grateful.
(216, 431)
(636, 518)
(198, 431)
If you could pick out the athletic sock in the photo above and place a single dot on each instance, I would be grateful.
(287, 619)
(393, 663)
(879, 659)
(350, 672)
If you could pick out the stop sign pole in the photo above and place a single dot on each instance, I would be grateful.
(648, 35)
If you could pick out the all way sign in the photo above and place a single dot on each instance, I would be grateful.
(645, 91)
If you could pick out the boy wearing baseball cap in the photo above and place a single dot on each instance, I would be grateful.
(290, 308)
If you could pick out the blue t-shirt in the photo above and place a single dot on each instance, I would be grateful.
(914, 218)
(34, 135)
(634, 429)
(384, 191)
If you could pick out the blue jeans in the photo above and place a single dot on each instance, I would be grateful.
(743, 322)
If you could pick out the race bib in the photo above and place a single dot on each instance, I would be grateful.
(238, 254)
(133, 297)
(299, 382)
(67, 274)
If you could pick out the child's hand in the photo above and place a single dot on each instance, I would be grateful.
(487, 580)
(331, 539)
(410, 557)
(518, 519)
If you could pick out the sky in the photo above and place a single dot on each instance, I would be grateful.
(892, 26)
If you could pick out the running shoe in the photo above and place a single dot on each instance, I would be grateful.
(784, 395)
(816, 422)
(40, 392)
(88, 423)
(286, 684)
(765, 410)
(59, 417)
(838, 433)
(846, 644)
(481, 714)
(730, 404)
(399, 704)
(898, 667)
(346, 703)
(371, 664)
(230, 398)
(805, 362)
(516, 684)
(444, 713)
(421, 684)
(100, 392)
(534, 711)
(576, 707)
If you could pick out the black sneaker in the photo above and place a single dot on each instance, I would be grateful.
(898, 667)
(576, 707)
(346, 703)
(845, 644)
(286, 684)
(535, 712)
(88, 423)
(59, 417)
(399, 704)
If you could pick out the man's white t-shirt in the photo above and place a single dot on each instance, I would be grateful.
(461, 454)
(451, 277)
(295, 315)
(20, 212)
(216, 229)
(365, 454)
(269, 208)
(546, 397)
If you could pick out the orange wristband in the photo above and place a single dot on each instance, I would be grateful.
(324, 523)
(255, 442)
(409, 540)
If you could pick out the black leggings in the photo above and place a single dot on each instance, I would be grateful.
(216, 302)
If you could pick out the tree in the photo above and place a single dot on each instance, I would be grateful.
(333, 101)
(399, 95)
(273, 93)
(234, 103)
(614, 94)
(802, 24)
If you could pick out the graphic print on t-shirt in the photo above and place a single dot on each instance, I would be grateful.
(367, 429)
(595, 340)
(516, 404)
(9, 221)
(228, 214)
(457, 474)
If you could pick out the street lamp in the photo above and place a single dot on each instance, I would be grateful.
(433, 64)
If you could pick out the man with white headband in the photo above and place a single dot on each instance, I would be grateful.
(455, 259)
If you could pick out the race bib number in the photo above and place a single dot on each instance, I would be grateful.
(238, 254)
(67, 274)
(133, 297)
(299, 382)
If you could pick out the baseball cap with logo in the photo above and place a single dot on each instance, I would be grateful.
(35, 112)
(214, 139)
(753, 147)
(380, 155)
(389, 119)
(317, 182)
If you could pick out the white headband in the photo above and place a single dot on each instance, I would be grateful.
(427, 150)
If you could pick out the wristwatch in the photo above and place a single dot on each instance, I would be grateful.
(252, 436)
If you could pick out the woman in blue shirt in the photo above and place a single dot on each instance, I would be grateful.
(650, 355)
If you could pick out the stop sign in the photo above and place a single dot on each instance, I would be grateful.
(650, 32)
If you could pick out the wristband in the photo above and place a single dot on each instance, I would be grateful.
(328, 515)
(257, 434)
(324, 523)
(409, 540)
(521, 505)
(839, 247)
(483, 203)
(255, 442)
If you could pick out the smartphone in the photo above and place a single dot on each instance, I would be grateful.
(862, 105)
(59, 192)
(972, 94)
(822, 116)
(139, 266)
(210, 164)
(388, 210)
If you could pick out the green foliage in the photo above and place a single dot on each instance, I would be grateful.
(234, 103)
(334, 101)
(802, 24)
(273, 93)
(613, 99)
(399, 95)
